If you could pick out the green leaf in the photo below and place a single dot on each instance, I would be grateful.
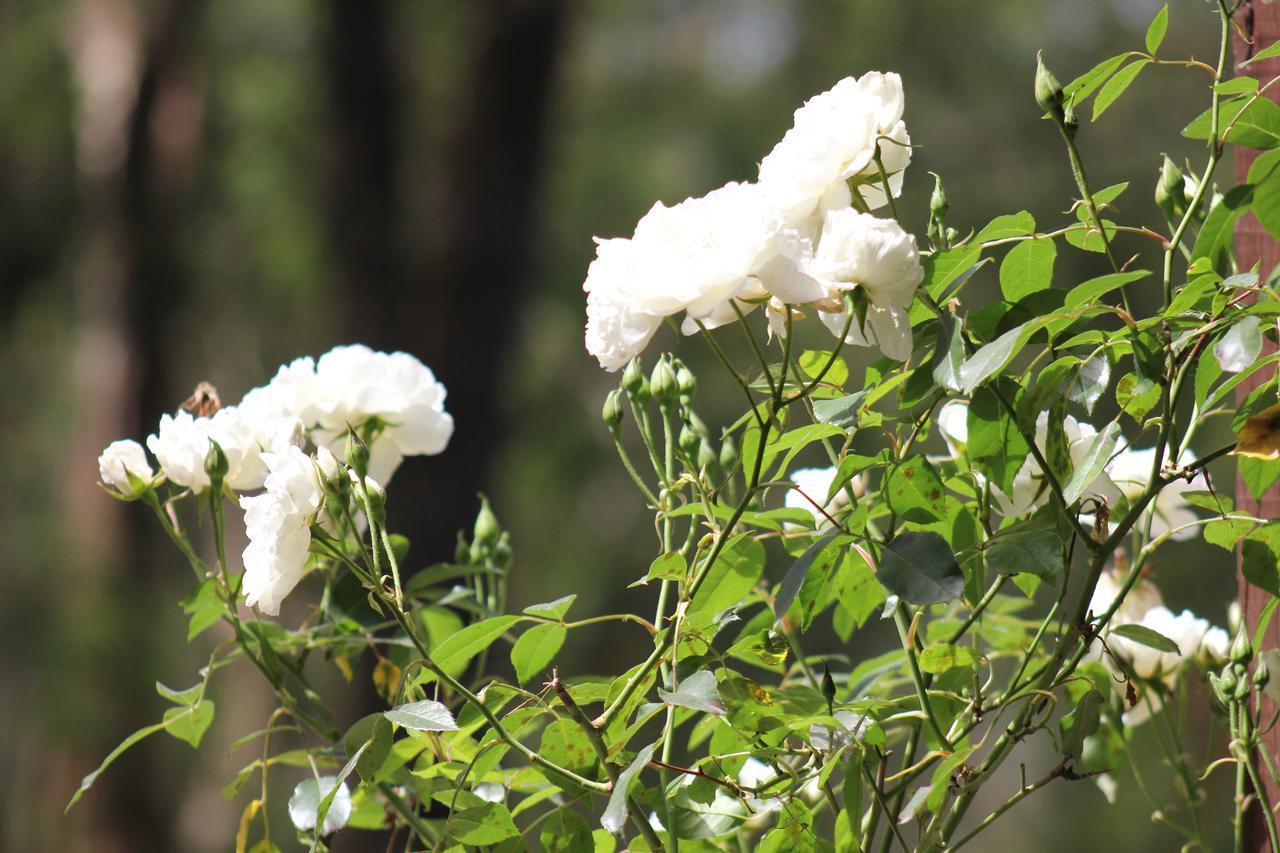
(914, 491)
(564, 742)
(1155, 32)
(1266, 53)
(1257, 474)
(1093, 463)
(941, 657)
(734, 573)
(1020, 224)
(995, 442)
(812, 362)
(1253, 123)
(1137, 396)
(841, 412)
(482, 825)
(204, 607)
(191, 723)
(1090, 381)
(87, 782)
(1147, 637)
(992, 358)
(1240, 346)
(1087, 83)
(615, 813)
(1080, 723)
(1089, 291)
(920, 568)
(377, 750)
(1115, 87)
(949, 354)
(535, 649)
(1266, 199)
(565, 831)
(1226, 533)
(552, 609)
(457, 650)
(424, 716)
(1258, 558)
(187, 697)
(671, 566)
(796, 575)
(1218, 232)
(1027, 268)
(698, 692)
(1030, 546)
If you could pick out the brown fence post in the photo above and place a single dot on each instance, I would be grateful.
(1259, 27)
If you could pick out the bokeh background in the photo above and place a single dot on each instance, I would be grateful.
(201, 190)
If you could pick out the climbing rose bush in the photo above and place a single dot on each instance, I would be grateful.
(990, 494)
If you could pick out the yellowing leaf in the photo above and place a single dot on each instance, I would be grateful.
(386, 679)
(1260, 436)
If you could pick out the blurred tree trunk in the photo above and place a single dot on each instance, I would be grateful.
(135, 137)
(455, 303)
(1260, 26)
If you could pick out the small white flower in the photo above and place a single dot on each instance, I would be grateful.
(118, 460)
(304, 805)
(834, 138)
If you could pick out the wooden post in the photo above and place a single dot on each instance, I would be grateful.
(1259, 27)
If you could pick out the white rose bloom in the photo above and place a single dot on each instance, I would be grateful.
(278, 524)
(693, 257)
(1130, 470)
(304, 805)
(354, 383)
(118, 460)
(833, 139)
(1185, 629)
(816, 484)
(1029, 489)
(1142, 598)
(858, 250)
(180, 446)
(291, 393)
(1214, 647)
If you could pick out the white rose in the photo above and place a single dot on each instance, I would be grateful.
(833, 139)
(1130, 470)
(354, 384)
(815, 483)
(858, 250)
(278, 524)
(180, 446)
(952, 421)
(693, 257)
(118, 460)
(1029, 489)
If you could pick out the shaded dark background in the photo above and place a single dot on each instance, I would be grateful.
(201, 190)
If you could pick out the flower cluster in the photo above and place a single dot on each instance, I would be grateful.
(792, 238)
(1197, 640)
(1124, 477)
(279, 449)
